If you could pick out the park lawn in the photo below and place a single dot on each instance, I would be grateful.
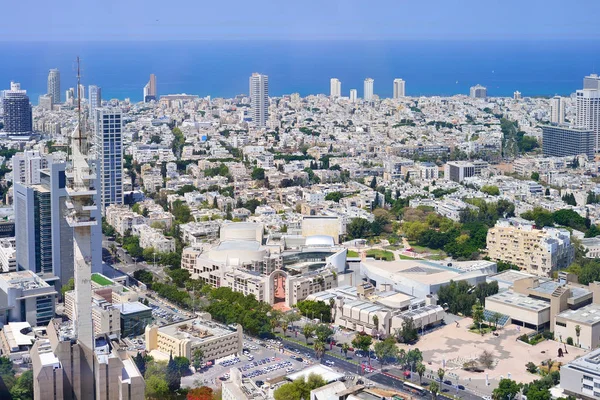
(403, 257)
(352, 253)
(100, 280)
(434, 253)
(381, 254)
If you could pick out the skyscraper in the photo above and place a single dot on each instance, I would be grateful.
(150, 89)
(399, 88)
(368, 89)
(109, 147)
(259, 99)
(81, 91)
(54, 85)
(353, 95)
(588, 112)
(70, 96)
(44, 240)
(95, 100)
(478, 92)
(335, 87)
(562, 141)
(591, 81)
(557, 110)
(17, 111)
(517, 95)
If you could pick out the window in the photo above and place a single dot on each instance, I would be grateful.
(588, 387)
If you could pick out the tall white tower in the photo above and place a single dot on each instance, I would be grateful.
(335, 87)
(54, 85)
(368, 90)
(399, 88)
(109, 148)
(588, 112)
(353, 95)
(81, 184)
(557, 110)
(95, 99)
(259, 99)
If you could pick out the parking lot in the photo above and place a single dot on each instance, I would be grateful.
(261, 360)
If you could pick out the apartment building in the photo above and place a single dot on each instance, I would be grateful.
(536, 251)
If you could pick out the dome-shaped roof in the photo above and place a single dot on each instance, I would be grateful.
(319, 241)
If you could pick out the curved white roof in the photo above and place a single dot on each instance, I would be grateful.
(319, 240)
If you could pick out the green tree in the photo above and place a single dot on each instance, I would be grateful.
(535, 176)
(531, 367)
(7, 373)
(362, 341)
(23, 388)
(373, 184)
(577, 333)
(386, 349)
(258, 174)
(358, 228)
(421, 370)
(308, 330)
(334, 196)
(173, 375)
(157, 387)
(507, 388)
(288, 391)
(70, 285)
(319, 348)
(323, 332)
(441, 373)
(413, 358)
(491, 190)
(197, 357)
(345, 347)
(477, 314)
(434, 388)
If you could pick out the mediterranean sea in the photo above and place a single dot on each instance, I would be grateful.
(222, 68)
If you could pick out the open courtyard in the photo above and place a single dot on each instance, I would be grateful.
(452, 345)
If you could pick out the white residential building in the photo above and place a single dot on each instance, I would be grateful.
(335, 88)
(399, 88)
(259, 99)
(368, 89)
(557, 110)
(109, 148)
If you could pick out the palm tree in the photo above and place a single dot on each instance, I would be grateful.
(332, 306)
(421, 370)
(307, 331)
(345, 348)
(577, 333)
(434, 388)
(376, 322)
(284, 327)
(441, 374)
(550, 364)
(402, 357)
(319, 348)
(496, 316)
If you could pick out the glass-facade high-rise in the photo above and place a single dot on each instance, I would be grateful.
(17, 111)
(109, 147)
(259, 99)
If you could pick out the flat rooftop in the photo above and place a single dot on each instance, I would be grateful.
(417, 270)
(520, 300)
(131, 307)
(588, 315)
(590, 361)
(328, 374)
(197, 330)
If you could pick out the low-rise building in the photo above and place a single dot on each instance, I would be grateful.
(581, 377)
(8, 255)
(26, 297)
(183, 338)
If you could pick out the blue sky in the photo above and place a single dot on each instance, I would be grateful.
(60, 20)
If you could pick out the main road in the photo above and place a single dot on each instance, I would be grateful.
(351, 365)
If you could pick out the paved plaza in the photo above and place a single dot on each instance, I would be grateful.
(453, 345)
